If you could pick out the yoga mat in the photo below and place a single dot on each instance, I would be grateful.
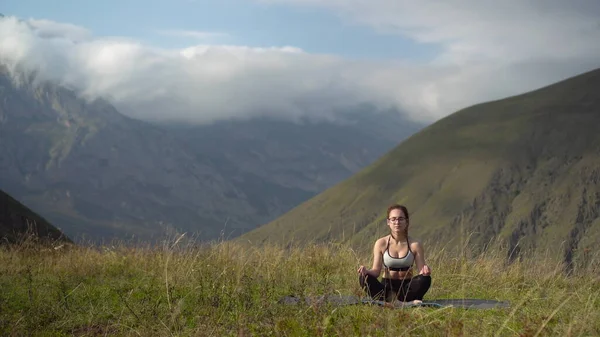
(341, 300)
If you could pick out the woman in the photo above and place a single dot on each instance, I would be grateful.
(396, 253)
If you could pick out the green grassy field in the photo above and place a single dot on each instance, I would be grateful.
(225, 288)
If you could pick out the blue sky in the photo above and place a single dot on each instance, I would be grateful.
(248, 23)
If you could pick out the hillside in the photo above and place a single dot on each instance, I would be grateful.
(18, 221)
(525, 169)
(99, 174)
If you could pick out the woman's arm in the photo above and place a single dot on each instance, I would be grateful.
(377, 260)
(375, 270)
(419, 252)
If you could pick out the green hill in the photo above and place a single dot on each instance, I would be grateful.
(18, 221)
(525, 169)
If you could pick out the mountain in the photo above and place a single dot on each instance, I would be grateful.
(18, 221)
(93, 171)
(525, 169)
(99, 174)
(304, 157)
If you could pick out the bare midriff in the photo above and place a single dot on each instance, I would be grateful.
(397, 275)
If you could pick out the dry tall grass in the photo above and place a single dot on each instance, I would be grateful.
(185, 289)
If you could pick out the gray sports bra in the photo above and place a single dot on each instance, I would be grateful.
(398, 263)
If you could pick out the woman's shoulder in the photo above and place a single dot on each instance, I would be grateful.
(414, 243)
(382, 241)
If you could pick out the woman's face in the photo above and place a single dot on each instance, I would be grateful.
(397, 220)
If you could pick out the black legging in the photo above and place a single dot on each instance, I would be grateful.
(401, 290)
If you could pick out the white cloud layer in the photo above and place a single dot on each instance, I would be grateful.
(477, 31)
(51, 29)
(486, 53)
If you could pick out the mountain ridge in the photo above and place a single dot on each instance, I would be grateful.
(18, 223)
(495, 169)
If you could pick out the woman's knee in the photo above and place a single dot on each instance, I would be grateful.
(364, 280)
(421, 282)
(422, 278)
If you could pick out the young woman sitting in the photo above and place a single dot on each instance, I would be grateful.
(396, 253)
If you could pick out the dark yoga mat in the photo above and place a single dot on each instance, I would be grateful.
(470, 303)
(340, 300)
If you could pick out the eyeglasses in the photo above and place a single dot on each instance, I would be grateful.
(400, 219)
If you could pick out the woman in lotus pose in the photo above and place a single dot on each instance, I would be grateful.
(396, 253)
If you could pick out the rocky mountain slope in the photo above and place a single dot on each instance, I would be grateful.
(100, 175)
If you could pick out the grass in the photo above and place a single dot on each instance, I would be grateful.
(231, 289)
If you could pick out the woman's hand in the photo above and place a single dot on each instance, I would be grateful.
(363, 271)
(425, 271)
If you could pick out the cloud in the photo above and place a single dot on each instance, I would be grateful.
(488, 49)
(474, 31)
(50, 29)
(487, 53)
(201, 83)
